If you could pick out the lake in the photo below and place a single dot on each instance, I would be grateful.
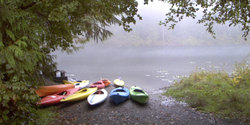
(149, 67)
(151, 56)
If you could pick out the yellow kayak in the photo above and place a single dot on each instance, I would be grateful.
(80, 95)
(119, 82)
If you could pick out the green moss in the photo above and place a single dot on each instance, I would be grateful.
(216, 92)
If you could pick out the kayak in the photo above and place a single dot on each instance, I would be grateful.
(106, 82)
(49, 90)
(138, 95)
(82, 83)
(119, 95)
(98, 84)
(119, 82)
(97, 97)
(75, 81)
(80, 95)
(55, 98)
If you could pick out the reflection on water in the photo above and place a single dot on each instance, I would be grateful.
(150, 67)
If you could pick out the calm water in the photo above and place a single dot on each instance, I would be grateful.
(151, 67)
(152, 56)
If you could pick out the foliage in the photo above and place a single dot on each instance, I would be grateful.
(46, 116)
(216, 92)
(231, 12)
(30, 30)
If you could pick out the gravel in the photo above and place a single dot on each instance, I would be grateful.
(159, 110)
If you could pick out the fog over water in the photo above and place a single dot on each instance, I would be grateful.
(151, 56)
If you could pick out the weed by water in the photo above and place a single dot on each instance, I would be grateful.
(216, 92)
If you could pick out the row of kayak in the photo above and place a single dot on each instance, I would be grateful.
(75, 91)
(48, 90)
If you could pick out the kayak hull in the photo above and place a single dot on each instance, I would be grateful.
(80, 95)
(119, 83)
(49, 90)
(97, 97)
(98, 84)
(138, 95)
(55, 98)
(106, 82)
(140, 99)
(119, 95)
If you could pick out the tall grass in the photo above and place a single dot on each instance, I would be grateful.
(216, 92)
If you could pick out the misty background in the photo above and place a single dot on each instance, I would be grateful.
(152, 56)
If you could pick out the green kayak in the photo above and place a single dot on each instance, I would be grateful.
(138, 95)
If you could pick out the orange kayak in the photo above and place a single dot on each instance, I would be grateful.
(49, 90)
(106, 82)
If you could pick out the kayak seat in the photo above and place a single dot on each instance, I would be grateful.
(97, 83)
(119, 90)
(83, 90)
(138, 90)
(99, 92)
(62, 93)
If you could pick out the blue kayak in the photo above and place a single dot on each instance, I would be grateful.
(119, 95)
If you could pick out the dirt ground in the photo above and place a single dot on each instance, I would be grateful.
(159, 110)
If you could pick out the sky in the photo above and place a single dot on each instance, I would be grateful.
(148, 32)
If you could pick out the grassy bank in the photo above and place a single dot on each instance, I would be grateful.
(223, 94)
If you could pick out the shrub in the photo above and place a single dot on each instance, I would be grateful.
(31, 30)
(216, 92)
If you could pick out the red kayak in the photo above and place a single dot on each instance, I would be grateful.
(106, 82)
(49, 90)
(98, 84)
(54, 99)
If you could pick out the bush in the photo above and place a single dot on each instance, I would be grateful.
(31, 30)
(216, 92)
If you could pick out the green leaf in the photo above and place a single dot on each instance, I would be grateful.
(21, 44)
(10, 34)
(10, 59)
(5, 112)
(5, 117)
(1, 41)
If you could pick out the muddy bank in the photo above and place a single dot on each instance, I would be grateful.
(160, 110)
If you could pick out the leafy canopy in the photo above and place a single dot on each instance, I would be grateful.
(30, 30)
(230, 12)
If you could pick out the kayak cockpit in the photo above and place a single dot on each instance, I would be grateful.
(139, 91)
(62, 93)
(99, 92)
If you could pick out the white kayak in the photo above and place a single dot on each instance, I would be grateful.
(82, 84)
(97, 97)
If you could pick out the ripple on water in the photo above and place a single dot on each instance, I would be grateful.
(192, 62)
(167, 80)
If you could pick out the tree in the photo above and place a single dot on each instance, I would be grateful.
(231, 12)
(32, 29)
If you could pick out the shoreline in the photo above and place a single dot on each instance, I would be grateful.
(159, 110)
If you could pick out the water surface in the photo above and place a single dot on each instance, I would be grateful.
(152, 56)
(150, 67)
